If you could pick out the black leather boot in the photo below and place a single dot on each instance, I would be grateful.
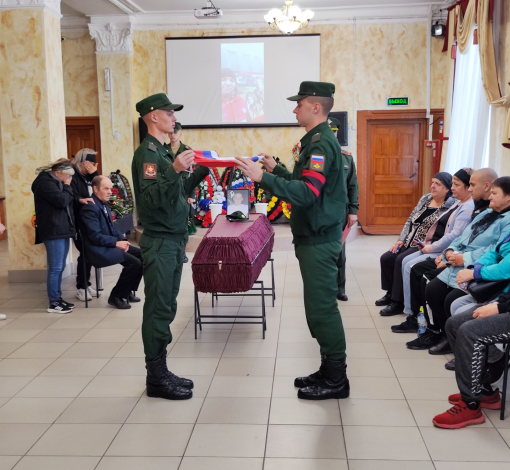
(159, 384)
(312, 379)
(333, 382)
(180, 381)
(384, 300)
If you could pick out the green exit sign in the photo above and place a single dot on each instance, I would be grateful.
(398, 101)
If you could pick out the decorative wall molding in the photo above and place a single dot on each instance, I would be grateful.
(112, 38)
(52, 6)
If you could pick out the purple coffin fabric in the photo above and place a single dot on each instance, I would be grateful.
(232, 254)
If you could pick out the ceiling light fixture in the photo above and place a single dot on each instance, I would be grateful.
(289, 19)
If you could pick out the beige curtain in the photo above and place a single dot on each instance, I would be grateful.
(465, 25)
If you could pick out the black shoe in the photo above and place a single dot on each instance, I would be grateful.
(58, 307)
(425, 341)
(342, 297)
(180, 381)
(443, 347)
(395, 308)
(68, 304)
(185, 258)
(450, 365)
(119, 303)
(333, 382)
(384, 300)
(312, 379)
(410, 325)
(133, 298)
(158, 383)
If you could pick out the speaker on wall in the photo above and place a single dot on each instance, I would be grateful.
(342, 134)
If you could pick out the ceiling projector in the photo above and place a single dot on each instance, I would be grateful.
(208, 12)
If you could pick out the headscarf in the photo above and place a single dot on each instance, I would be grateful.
(463, 175)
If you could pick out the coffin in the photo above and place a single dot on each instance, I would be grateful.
(232, 254)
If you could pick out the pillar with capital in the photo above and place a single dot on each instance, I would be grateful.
(114, 52)
(32, 119)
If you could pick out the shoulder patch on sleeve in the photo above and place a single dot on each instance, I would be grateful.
(317, 162)
(316, 137)
(152, 147)
(150, 171)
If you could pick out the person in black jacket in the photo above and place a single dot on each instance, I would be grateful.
(53, 197)
(106, 246)
(85, 167)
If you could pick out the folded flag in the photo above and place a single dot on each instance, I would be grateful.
(210, 158)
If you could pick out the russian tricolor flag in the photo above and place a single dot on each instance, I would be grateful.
(210, 158)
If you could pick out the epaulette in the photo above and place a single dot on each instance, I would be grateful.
(152, 147)
(345, 152)
(187, 147)
(316, 137)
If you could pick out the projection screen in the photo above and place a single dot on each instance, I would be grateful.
(240, 81)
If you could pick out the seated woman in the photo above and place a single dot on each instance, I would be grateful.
(429, 210)
(451, 224)
(472, 335)
(483, 234)
(85, 170)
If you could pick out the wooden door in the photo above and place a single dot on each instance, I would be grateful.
(83, 132)
(389, 164)
(393, 174)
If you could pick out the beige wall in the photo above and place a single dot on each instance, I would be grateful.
(80, 75)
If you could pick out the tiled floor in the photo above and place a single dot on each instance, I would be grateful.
(72, 387)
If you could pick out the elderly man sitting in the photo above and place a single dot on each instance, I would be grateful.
(105, 245)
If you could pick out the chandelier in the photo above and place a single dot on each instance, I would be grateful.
(289, 19)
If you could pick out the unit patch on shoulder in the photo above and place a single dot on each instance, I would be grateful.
(316, 137)
(317, 163)
(152, 147)
(150, 171)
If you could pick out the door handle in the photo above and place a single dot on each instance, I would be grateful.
(413, 175)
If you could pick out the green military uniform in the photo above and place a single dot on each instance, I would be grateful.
(352, 204)
(161, 200)
(316, 190)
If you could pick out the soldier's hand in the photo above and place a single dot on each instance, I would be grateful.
(352, 219)
(268, 161)
(184, 160)
(250, 169)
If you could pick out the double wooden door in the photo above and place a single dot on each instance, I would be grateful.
(83, 132)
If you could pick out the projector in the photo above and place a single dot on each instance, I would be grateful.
(208, 12)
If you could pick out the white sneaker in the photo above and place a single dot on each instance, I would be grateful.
(80, 295)
(92, 292)
(2, 316)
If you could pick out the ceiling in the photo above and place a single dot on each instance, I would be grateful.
(122, 7)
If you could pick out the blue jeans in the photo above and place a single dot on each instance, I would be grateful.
(407, 264)
(56, 253)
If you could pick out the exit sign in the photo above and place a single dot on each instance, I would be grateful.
(398, 101)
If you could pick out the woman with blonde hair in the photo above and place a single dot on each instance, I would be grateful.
(85, 165)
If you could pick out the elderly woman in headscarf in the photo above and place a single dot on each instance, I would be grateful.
(85, 165)
(53, 197)
(429, 210)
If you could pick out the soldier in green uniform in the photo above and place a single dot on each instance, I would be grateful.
(316, 190)
(160, 193)
(177, 148)
(351, 215)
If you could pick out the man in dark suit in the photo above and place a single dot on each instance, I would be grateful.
(106, 246)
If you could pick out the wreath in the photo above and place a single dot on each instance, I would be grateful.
(121, 201)
(208, 191)
(275, 207)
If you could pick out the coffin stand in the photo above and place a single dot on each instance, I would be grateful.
(228, 262)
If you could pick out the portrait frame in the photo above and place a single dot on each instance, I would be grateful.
(234, 203)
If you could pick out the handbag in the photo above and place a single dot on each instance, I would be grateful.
(484, 291)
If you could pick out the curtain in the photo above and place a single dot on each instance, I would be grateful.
(465, 25)
(470, 113)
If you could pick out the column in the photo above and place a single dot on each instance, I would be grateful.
(114, 51)
(32, 121)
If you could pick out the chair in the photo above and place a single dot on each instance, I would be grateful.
(505, 379)
(86, 261)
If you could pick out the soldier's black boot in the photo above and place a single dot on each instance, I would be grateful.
(312, 379)
(333, 382)
(181, 381)
(158, 383)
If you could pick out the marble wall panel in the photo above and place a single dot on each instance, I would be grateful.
(80, 75)
(116, 154)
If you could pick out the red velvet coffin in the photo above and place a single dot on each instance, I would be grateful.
(232, 254)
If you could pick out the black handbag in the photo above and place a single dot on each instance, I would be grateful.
(484, 291)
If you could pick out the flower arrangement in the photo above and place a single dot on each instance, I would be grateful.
(209, 191)
(121, 201)
(275, 207)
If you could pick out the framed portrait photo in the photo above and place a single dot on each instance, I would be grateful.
(238, 200)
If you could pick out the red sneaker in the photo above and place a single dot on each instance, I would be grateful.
(491, 402)
(459, 416)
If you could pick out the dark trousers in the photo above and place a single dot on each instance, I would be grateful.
(391, 272)
(340, 263)
(416, 280)
(470, 339)
(439, 297)
(131, 275)
(81, 282)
